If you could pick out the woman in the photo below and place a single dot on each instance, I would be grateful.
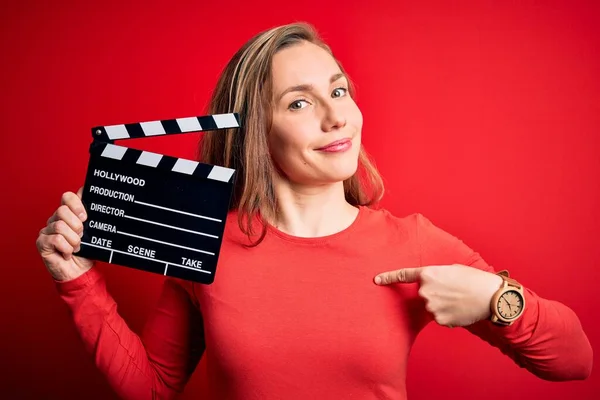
(317, 295)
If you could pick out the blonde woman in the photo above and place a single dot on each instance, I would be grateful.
(317, 295)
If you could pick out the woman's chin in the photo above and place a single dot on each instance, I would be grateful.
(326, 173)
(340, 173)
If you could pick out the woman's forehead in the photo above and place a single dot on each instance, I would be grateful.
(303, 64)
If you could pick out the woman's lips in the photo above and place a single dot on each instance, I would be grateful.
(337, 146)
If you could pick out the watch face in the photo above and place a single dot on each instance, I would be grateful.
(510, 304)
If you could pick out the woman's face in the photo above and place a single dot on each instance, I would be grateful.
(316, 132)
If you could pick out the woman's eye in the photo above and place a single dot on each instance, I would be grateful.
(297, 105)
(339, 92)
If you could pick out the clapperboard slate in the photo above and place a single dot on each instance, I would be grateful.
(153, 212)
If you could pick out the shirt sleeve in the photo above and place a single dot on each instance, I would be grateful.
(548, 339)
(155, 364)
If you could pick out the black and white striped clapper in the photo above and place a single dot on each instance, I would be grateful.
(154, 212)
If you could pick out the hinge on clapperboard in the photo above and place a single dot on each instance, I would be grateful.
(154, 212)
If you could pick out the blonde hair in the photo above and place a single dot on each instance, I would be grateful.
(245, 87)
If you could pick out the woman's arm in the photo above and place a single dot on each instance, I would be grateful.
(548, 339)
(156, 364)
(457, 286)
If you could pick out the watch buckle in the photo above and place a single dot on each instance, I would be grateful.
(504, 272)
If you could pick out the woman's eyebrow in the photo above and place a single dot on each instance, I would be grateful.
(308, 87)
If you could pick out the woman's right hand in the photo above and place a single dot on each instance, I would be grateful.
(61, 237)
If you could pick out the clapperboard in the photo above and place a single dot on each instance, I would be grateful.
(154, 212)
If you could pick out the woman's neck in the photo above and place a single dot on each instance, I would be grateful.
(312, 211)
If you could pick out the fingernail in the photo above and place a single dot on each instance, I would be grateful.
(82, 216)
(377, 280)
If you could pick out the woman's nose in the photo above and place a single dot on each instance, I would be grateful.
(333, 118)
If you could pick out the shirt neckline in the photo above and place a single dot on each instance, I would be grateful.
(318, 239)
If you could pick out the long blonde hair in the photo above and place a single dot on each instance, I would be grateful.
(245, 87)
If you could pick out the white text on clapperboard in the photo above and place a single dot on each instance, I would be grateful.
(119, 178)
(115, 194)
(121, 213)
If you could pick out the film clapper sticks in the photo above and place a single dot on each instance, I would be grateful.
(153, 212)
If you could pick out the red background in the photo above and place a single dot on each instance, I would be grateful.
(484, 116)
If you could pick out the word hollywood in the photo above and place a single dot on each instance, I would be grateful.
(119, 178)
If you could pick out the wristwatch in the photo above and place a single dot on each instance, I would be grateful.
(508, 302)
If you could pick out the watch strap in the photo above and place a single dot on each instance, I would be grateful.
(504, 274)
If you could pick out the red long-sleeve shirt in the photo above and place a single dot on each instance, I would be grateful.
(300, 318)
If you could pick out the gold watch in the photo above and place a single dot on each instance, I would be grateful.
(508, 302)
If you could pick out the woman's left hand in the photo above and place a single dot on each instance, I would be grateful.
(456, 295)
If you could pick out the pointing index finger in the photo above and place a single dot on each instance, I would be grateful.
(404, 275)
